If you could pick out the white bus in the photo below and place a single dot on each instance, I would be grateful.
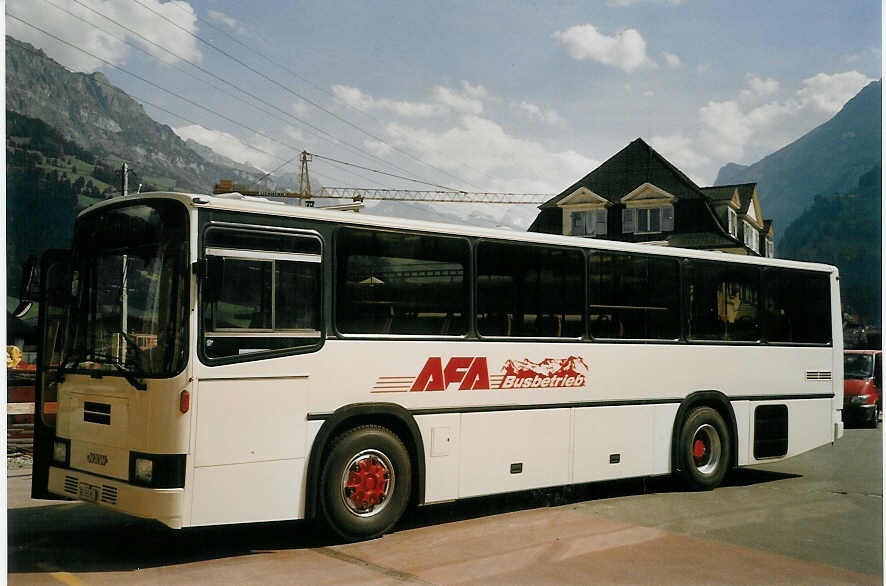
(212, 360)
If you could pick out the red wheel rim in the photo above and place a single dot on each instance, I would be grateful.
(367, 483)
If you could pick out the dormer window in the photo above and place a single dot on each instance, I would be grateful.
(770, 248)
(751, 237)
(589, 223)
(648, 220)
(733, 222)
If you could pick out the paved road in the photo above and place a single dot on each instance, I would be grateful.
(815, 519)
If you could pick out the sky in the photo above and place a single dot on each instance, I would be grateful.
(523, 97)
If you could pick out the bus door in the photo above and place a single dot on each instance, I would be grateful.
(54, 300)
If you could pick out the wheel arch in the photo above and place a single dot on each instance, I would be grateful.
(392, 416)
(708, 398)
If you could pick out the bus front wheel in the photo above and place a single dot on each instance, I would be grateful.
(365, 483)
(704, 449)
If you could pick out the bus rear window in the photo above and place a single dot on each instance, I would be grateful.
(399, 283)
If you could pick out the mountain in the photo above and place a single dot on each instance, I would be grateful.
(829, 159)
(845, 230)
(99, 117)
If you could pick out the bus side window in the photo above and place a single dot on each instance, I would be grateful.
(724, 304)
(399, 283)
(797, 306)
(262, 293)
(529, 291)
(632, 296)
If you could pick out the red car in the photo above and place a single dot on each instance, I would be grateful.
(862, 386)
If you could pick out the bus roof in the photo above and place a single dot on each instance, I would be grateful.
(236, 202)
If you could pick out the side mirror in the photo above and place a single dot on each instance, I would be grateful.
(28, 291)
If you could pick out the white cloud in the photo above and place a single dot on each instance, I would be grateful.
(232, 147)
(467, 100)
(828, 93)
(357, 99)
(682, 152)
(625, 50)
(228, 21)
(480, 151)
(671, 59)
(536, 112)
(102, 44)
(734, 130)
(758, 87)
(477, 92)
(463, 102)
(648, 94)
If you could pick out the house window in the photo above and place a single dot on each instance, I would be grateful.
(589, 223)
(648, 220)
(770, 248)
(751, 237)
(733, 222)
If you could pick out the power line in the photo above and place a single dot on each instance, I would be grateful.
(291, 91)
(191, 102)
(381, 172)
(170, 92)
(319, 132)
(310, 83)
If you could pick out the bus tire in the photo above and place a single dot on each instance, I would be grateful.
(365, 482)
(705, 452)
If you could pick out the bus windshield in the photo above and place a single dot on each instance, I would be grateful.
(129, 288)
(858, 366)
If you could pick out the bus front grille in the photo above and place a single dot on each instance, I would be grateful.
(71, 484)
(109, 494)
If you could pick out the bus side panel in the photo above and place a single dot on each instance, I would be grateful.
(249, 452)
(245, 493)
(743, 425)
(613, 442)
(440, 435)
(808, 425)
(514, 450)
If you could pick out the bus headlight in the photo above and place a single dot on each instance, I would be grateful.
(60, 452)
(144, 470)
(157, 470)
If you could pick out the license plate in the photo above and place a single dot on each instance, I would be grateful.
(88, 493)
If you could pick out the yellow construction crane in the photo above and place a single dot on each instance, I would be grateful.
(358, 194)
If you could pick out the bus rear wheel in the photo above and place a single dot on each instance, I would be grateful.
(705, 449)
(365, 483)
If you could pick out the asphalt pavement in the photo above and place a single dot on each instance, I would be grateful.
(812, 519)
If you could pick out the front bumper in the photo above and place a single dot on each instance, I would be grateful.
(864, 412)
(163, 504)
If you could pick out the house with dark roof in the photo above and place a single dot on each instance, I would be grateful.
(639, 196)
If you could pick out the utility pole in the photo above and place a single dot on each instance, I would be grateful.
(304, 180)
(124, 279)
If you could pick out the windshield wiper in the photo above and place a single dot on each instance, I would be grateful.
(74, 358)
(132, 377)
(138, 372)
